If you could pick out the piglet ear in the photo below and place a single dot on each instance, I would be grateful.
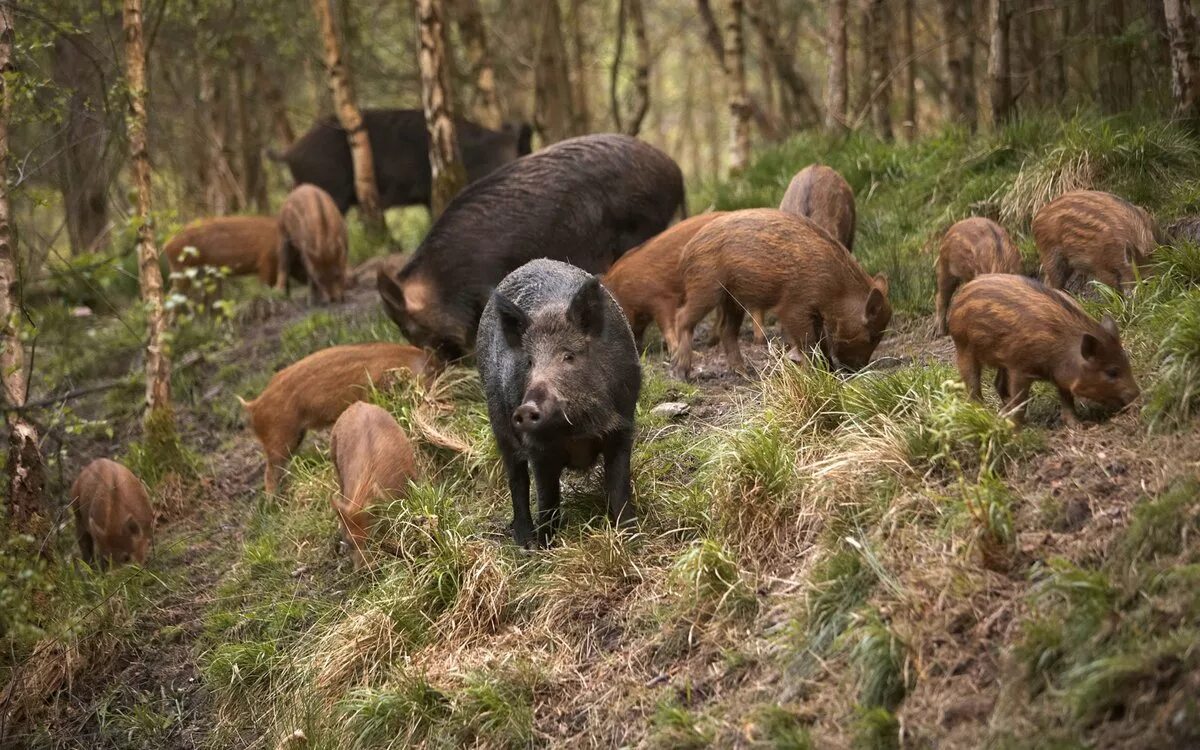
(513, 320)
(880, 282)
(586, 311)
(1089, 346)
(1110, 326)
(875, 300)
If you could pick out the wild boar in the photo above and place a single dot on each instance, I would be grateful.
(243, 244)
(374, 459)
(820, 194)
(312, 244)
(970, 248)
(400, 152)
(584, 201)
(1184, 229)
(312, 393)
(114, 521)
(770, 259)
(562, 377)
(1095, 235)
(1030, 332)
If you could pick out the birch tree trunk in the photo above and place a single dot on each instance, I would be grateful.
(485, 107)
(999, 71)
(1185, 68)
(782, 58)
(448, 174)
(554, 115)
(739, 101)
(837, 43)
(158, 363)
(350, 117)
(909, 126)
(26, 472)
(881, 87)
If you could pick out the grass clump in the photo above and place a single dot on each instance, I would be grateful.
(673, 727)
(958, 435)
(1163, 527)
(876, 728)
(710, 584)
(1173, 399)
(839, 585)
(881, 659)
(408, 711)
(773, 726)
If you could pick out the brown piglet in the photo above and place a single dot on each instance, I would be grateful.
(1030, 332)
(312, 244)
(970, 248)
(821, 195)
(374, 460)
(312, 393)
(768, 259)
(1095, 235)
(246, 245)
(114, 521)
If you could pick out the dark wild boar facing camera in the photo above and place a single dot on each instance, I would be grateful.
(562, 377)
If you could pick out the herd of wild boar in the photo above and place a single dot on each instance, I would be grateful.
(549, 267)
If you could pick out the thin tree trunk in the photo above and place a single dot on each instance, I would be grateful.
(26, 471)
(629, 13)
(485, 106)
(1185, 68)
(999, 72)
(837, 43)
(1058, 66)
(781, 60)
(84, 164)
(554, 115)
(448, 174)
(910, 73)
(253, 176)
(272, 96)
(158, 363)
(1033, 51)
(712, 31)
(970, 100)
(739, 102)
(881, 68)
(1115, 65)
(579, 71)
(350, 117)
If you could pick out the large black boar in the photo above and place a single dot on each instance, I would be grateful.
(584, 201)
(562, 377)
(400, 153)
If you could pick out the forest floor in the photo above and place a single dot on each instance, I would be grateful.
(822, 561)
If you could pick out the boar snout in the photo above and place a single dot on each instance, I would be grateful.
(536, 410)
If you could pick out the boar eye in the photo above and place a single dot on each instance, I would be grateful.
(568, 357)
(1112, 373)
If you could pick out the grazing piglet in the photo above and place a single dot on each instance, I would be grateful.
(244, 244)
(312, 244)
(769, 259)
(646, 281)
(970, 248)
(313, 393)
(562, 377)
(823, 196)
(113, 518)
(374, 460)
(1030, 332)
(1094, 234)
(584, 201)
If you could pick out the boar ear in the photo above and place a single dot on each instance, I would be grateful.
(513, 320)
(880, 282)
(1089, 346)
(875, 302)
(1110, 326)
(392, 296)
(587, 308)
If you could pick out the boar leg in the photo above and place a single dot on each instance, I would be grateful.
(546, 475)
(283, 268)
(1018, 395)
(731, 324)
(759, 318)
(664, 318)
(1069, 417)
(1056, 270)
(518, 486)
(968, 370)
(946, 286)
(1002, 388)
(87, 550)
(617, 451)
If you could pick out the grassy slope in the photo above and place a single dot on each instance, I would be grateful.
(820, 562)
